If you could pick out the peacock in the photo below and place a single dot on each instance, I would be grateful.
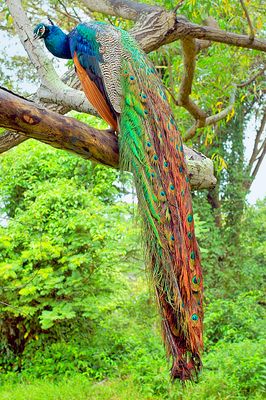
(123, 86)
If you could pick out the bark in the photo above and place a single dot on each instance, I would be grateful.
(155, 26)
(156, 29)
(122, 8)
(35, 121)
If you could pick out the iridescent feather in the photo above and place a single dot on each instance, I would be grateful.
(124, 87)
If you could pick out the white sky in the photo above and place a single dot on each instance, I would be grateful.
(258, 188)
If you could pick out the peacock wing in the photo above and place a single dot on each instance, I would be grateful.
(94, 48)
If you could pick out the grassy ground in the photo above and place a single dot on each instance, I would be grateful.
(79, 388)
(74, 389)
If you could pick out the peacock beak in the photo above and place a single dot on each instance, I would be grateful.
(35, 36)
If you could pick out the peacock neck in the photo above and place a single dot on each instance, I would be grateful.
(57, 43)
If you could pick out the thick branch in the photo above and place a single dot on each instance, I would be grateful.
(10, 139)
(186, 28)
(72, 135)
(126, 9)
(156, 29)
(61, 132)
(167, 28)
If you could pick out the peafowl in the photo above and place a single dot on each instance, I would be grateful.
(125, 89)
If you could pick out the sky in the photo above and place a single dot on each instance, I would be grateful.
(258, 188)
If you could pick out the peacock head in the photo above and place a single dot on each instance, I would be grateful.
(41, 31)
(54, 38)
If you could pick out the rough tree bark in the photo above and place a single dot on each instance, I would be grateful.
(72, 135)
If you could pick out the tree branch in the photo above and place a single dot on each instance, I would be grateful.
(189, 48)
(36, 122)
(189, 63)
(72, 135)
(161, 27)
(125, 9)
(252, 33)
(252, 79)
(211, 120)
(256, 151)
(257, 166)
(170, 26)
(10, 139)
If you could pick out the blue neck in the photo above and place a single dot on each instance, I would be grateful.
(57, 42)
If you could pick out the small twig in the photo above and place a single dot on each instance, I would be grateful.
(179, 4)
(66, 13)
(252, 33)
(256, 151)
(76, 14)
(262, 146)
(252, 79)
(9, 305)
(261, 158)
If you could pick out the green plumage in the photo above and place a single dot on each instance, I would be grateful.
(150, 146)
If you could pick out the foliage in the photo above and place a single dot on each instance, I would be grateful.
(75, 302)
(61, 240)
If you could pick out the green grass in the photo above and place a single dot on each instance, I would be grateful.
(73, 389)
(80, 388)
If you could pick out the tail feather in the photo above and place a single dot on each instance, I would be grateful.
(151, 147)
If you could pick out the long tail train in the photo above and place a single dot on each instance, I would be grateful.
(151, 148)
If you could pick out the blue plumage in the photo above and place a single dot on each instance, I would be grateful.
(55, 40)
(82, 42)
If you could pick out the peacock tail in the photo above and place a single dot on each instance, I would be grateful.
(151, 147)
(123, 86)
